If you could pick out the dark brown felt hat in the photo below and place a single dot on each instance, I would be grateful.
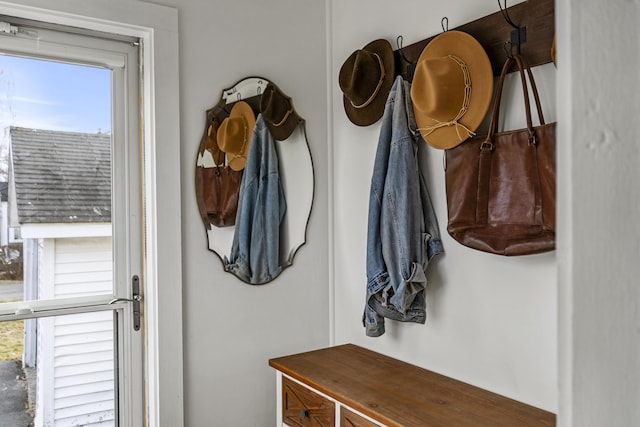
(277, 110)
(365, 79)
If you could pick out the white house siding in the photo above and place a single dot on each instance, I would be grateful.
(83, 267)
(75, 353)
(4, 223)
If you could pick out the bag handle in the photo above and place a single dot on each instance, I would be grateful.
(495, 111)
(487, 147)
(534, 88)
(486, 150)
(522, 66)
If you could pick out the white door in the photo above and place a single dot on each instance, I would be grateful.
(76, 194)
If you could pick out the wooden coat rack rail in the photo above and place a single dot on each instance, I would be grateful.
(493, 31)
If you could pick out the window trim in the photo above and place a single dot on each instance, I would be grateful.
(157, 27)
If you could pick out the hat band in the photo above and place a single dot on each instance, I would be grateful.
(244, 139)
(377, 89)
(463, 110)
(284, 119)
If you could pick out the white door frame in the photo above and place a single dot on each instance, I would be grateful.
(157, 27)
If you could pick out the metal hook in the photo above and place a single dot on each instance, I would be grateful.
(509, 52)
(399, 44)
(518, 35)
(442, 24)
(411, 67)
(505, 14)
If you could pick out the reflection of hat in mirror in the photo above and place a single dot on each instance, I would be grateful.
(211, 143)
(277, 110)
(451, 89)
(234, 134)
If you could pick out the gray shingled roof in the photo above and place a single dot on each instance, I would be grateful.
(61, 177)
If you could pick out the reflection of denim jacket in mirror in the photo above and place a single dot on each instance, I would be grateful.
(402, 233)
(254, 255)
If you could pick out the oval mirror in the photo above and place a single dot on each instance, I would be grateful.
(296, 181)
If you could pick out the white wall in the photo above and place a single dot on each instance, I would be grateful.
(231, 329)
(599, 200)
(491, 321)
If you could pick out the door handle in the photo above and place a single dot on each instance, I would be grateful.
(135, 301)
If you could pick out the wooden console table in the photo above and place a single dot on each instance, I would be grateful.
(351, 386)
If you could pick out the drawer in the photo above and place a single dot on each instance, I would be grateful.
(302, 407)
(351, 419)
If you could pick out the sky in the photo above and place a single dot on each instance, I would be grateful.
(49, 95)
(55, 96)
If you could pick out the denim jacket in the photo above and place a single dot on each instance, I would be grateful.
(254, 255)
(402, 234)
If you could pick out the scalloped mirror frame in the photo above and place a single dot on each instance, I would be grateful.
(296, 175)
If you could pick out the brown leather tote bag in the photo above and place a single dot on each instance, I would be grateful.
(501, 188)
(217, 188)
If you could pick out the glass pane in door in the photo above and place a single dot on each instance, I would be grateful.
(57, 151)
(58, 371)
(56, 242)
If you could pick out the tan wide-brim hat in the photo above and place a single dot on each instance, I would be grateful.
(365, 79)
(234, 134)
(278, 112)
(452, 88)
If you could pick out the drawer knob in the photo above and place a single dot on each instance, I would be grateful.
(304, 414)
